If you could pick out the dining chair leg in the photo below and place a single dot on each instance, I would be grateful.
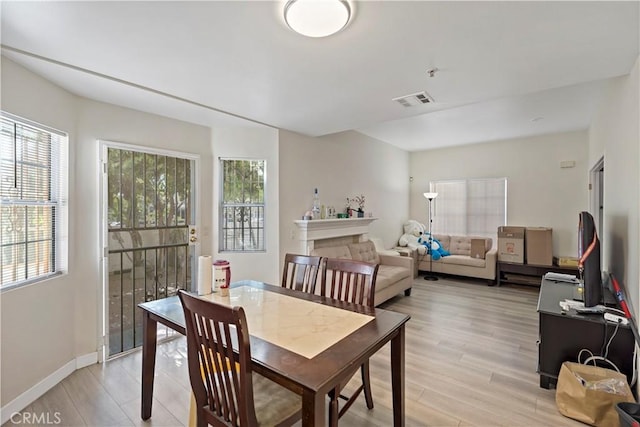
(366, 383)
(201, 422)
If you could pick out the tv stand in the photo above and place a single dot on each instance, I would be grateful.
(527, 274)
(564, 334)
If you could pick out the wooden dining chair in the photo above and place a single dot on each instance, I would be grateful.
(354, 282)
(301, 272)
(227, 396)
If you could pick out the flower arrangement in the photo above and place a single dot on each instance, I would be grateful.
(359, 200)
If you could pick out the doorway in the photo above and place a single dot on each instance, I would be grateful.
(148, 209)
(596, 197)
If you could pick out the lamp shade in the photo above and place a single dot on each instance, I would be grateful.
(430, 196)
(317, 18)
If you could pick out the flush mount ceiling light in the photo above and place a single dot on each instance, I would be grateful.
(317, 18)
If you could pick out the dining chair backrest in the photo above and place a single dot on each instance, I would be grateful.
(223, 389)
(301, 272)
(349, 280)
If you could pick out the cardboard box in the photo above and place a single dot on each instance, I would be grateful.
(477, 248)
(539, 246)
(511, 244)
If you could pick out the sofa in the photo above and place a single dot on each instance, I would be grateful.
(460, 262)
(395, 273)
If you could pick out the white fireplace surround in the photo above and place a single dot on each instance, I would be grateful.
(319, 233)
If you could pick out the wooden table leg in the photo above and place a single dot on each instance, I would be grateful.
(397, 377)
(545, 381)
(149, 339)
(313, 409)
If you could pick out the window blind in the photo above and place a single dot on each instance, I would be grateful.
(30, 200)
(472, 207)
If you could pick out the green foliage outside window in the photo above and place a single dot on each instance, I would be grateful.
(243, 201)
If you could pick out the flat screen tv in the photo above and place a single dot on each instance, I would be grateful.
(589, 260)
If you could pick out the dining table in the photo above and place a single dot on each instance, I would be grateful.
(305, 342)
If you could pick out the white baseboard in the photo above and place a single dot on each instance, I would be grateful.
(32, 394)
(86, 360)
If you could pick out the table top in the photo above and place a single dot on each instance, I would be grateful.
(306, 363)
(301, 326)
(551, 293)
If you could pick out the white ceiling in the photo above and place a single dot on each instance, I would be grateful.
(506, 69)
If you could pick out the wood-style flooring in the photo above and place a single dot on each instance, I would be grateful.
(470, 361)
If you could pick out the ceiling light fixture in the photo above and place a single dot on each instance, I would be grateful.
(317, 18)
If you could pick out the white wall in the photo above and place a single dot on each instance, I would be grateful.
(106, 122)
(539, 192)
(47, 325)
(39, 316)
(340, 166)
(250, 143)
(615, 134)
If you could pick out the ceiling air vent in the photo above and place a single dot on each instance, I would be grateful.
(418, 98)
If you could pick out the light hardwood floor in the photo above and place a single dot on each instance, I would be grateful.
(470, 361)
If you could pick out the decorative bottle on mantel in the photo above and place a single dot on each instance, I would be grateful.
(316, 205)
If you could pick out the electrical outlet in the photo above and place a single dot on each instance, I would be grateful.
(615, 318)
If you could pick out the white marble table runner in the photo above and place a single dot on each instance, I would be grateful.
(303, 327)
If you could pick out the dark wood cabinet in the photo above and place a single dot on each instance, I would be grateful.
(564, 334)
(527, 274)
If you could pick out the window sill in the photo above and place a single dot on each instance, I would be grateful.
(19, 285)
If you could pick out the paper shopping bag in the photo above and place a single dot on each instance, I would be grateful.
(589, 394)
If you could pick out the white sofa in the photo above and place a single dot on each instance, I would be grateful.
(460, 262)
(395, 273)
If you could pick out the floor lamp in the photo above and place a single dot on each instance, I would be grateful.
(430, 276)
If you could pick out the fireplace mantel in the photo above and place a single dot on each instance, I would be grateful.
(312, 231)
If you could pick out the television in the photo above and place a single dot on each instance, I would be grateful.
(589, 260)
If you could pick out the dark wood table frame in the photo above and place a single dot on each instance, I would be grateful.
(311, 378)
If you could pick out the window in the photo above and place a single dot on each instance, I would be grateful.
(473, 207)
(242, 205)
(32, 191)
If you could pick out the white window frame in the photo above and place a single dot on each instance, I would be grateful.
(262, 246)
(457, 219)
(57, 198)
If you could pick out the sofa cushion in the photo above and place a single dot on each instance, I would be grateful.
(463, 260)
(390, 274)
(488, 243)
(332, 252)
(460, 245)
(444, 240)
(364, 251)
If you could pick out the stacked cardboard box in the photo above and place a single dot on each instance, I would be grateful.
(533, 245)
(539, 246)
(511, 244)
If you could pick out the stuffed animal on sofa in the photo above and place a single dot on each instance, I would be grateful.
(413, 230)
(436, 251)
